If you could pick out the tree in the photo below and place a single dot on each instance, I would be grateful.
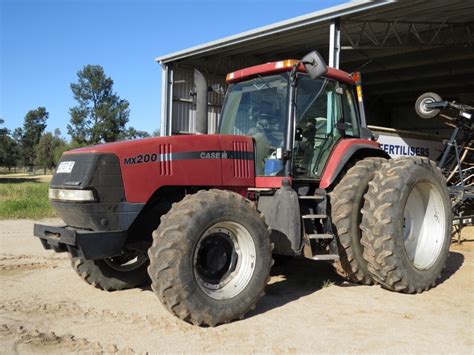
(8, 152)
(17, 134)
(60, 146)
(3, 131)
(132, 133)
(33, 127)
(44, 152)
(8, 148)
(49, 150)
(156, 133)
(101, 115)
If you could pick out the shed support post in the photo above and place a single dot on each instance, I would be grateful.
(334, 43)
(166, 123)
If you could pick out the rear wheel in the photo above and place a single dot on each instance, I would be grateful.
(211, 258)
(127, 270)
(347, 199)
(406, 225)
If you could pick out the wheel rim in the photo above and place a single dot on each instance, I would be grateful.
(424, 222)
(425, 111)
(224, 260)
(128, 261)
(423, 104)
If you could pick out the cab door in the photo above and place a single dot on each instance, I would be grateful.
(318, 111)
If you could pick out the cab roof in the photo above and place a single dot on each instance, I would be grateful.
(282, 66)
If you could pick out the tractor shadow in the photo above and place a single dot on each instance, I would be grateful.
(453, 264)
(298, 277)
(294, 278)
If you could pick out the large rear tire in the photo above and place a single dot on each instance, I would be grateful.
(406, 225)
(125, 271)
(347, 199)
(211, 257)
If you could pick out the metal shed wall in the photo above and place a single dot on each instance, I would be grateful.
(183, 112)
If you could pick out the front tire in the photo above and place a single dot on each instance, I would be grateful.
(406, 225)
(125, 271)
(211, 257)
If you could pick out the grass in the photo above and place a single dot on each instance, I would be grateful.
(327, 283)
(24, 196)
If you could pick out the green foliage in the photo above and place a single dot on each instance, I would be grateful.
(101, 115)
(58, 152)
(8, 152)
(25, 199)
(8, 148)
(3, 131)
(156, 133)
(327, 283)
(49, 150)
(33, 127)
(17, 134)
(44, 151)
(132, 133)
(75, 145)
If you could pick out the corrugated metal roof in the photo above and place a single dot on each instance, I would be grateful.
(364, 22)
(276, 28)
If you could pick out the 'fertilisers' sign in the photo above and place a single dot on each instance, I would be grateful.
(397, 146)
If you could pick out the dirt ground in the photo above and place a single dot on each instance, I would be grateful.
(45, 307)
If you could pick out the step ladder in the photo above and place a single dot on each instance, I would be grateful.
(308, 237)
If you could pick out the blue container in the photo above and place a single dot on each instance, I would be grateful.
(272, 167)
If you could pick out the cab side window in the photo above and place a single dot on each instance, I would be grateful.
(350, 113)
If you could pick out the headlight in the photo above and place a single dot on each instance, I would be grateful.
(71, 195)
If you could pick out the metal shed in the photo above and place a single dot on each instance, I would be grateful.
(403, 48)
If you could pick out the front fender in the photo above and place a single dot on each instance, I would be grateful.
(344, 151)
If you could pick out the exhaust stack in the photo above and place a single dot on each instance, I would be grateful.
(201, 89)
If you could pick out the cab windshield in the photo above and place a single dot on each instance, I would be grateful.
(258, 108)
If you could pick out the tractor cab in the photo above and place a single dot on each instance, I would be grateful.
(295, 119)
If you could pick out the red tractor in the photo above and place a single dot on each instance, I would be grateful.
(293, 171)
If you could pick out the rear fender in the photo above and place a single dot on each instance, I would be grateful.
(345, 151)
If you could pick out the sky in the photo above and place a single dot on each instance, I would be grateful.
(44, 43)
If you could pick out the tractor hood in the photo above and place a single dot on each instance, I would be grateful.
(147, 164)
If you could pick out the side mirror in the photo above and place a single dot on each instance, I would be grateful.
(314, 64)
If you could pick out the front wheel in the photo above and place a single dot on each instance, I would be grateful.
(124, 271)
(211, 257)
(406, 225)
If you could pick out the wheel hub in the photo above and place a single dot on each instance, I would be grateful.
(216, 257)
(224, 260)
